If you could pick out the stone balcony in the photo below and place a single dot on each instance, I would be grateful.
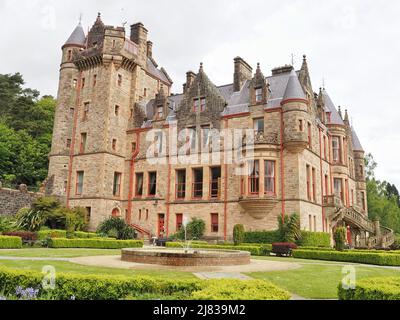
(258, 207)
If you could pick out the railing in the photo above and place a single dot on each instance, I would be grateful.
(388, 236)
(131, 47)
(359, 219)
(332, 201)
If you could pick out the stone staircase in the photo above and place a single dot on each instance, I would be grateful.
(337, 213)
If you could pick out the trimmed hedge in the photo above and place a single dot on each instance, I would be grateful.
(94, 243)
(108, 287)
(255, 250)
(24, 235)
(384, 288)
(240, 290)
(44, 234)
(85, 235)
(315, 239)
(262, 237)
(382, 259)
(8, 242)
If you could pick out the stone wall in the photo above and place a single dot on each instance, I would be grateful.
(13, 200)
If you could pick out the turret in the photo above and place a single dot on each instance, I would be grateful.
(295, 115)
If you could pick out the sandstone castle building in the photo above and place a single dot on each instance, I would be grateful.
(112, 150)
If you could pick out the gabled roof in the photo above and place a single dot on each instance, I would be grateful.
(77, 37)
(293, 88)
(356, 142)
(330, 107)
(152, 68)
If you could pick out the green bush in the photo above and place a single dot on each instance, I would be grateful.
(29, 220)
(85, 235)
(194, 230)
(262, 237)
(240, 290)
(108, 287)
(340, 238)
(255, 250)
(44, 234)
(95, 243)
(382, 259)
(315, 239)
(238, 234)
(116, 227)
(7, 224)
(384, 288)
(289, 229)
(7, 242)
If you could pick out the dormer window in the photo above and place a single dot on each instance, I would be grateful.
(259, 95)
(160, 112)
(199, 104)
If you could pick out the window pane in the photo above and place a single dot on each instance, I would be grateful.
(270, 176)
(139, 184)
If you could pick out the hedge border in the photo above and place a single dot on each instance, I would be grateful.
(383, 288)
(9, 242)
(94, 243)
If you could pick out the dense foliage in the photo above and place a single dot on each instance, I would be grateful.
(7, 224)
(194, 231)
(314, 239)
(108, 287)
(383, 288)
(238, 234)
(26, 124)
(116, 228)
(289, 228)
(48, 211)
(340, 238)
(262, 236)
(383, 198)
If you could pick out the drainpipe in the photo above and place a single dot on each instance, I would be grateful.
(131, 176)
(282, 171)
(168, 193)
(322, 182)
(72, 148)
(226, 192)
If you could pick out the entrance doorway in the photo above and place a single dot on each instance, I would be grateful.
(161, 225)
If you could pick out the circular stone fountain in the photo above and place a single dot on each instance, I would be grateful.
(171, 257)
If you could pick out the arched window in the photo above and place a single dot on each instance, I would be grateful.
(116, 212)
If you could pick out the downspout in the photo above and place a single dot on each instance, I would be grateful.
(131, 175)
(168, 194)
(322, 182)
(226, 192)
(72, 148)
(282, 171)
(330, 164)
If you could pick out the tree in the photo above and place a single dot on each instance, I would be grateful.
(238, 234)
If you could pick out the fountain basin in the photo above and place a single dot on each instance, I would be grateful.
(170, 257)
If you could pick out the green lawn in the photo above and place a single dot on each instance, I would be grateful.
(57, 253)
(318, 279)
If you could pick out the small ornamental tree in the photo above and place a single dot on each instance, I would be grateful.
(116, 227)
(340, 238)
(238, 234)
(289, 229)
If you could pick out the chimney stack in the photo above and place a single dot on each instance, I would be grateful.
(139, 33)
(243, 72)
(190, 77)
(149, 49)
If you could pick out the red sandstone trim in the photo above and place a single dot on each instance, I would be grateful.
(277, 109)
(131, 177)
(236, 115)
(322, 181)
(294, 100)
(282, 171)
(226, 195)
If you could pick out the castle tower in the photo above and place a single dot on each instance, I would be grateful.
(102, 77)
(65, 112)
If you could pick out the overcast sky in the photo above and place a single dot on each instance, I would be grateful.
(353, 45)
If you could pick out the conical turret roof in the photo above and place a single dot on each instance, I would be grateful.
(77, 37)
(356, 142)
(330, 107)
(293, 88)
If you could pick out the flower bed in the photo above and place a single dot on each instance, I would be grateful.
(94, 287)
(94, 243)
(384, 288)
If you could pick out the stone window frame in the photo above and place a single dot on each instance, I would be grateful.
(139, 196)
(80, 178)
(214, 182)
(266, 176)
(253, 177)
(117, 184)
(214, 222)
(202, 106)
(179, 221)
(256, 128)
(150, 184)
(195, 183)
(258, 95)
(308, 182)
(178, 184)
(83, 142)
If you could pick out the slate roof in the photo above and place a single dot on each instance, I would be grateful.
(330, 107)
(152, 68)
(293, 88)
(77, 37)
(356, 142)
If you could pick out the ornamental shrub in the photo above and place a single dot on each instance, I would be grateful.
(44, 234)
(283, 248)
(116, 227)
(238, 234)
(194, 230)
(7, 224)
(289, 229)
(262, 237)
(94, 243)
(340, 238)
(315, 239)
(109, 287)
(24, 235)
(8, 242)
(382, 259)
(383, 288)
